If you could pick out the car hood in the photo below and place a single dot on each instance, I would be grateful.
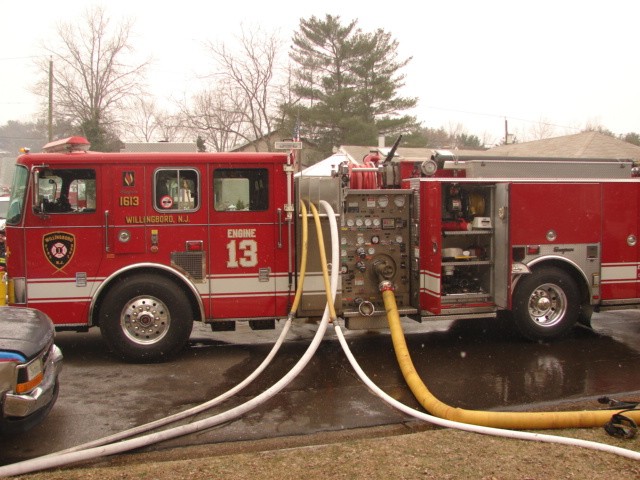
(24, 330)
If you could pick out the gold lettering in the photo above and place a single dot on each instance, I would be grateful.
(150, 219)
(129, 201)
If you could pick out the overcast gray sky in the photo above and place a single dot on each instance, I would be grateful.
(565, 62)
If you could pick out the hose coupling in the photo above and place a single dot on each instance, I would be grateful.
(386, 285)
(366, 308)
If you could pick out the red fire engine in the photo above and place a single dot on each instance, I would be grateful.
(142, 244)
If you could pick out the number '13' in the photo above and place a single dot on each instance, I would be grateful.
(246, 249)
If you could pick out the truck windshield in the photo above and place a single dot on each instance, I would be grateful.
(18, 193)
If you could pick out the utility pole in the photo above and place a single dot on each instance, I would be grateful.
(50, 120)
(506, 132)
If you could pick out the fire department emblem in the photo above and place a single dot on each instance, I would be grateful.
(128, 179)
(59, 248)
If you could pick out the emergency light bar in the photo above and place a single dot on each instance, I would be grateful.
(67, 145)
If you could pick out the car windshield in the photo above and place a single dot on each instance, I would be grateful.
(18, 192)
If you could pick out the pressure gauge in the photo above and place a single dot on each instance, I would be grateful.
(359, 222)
(375, 239)
(350, 222)
(376, 222)
(343, 240)
(360, 240)
(383, 201)
(399, 239)
(399, 200)
(371, 251)
(367, 222)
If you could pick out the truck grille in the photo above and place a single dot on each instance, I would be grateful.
(191, 263)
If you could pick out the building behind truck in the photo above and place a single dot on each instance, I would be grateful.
(141, 245)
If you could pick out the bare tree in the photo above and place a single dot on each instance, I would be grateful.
(250, 78)
(91, 77)
(541, 130)
(218, 116)
(142, 120)
(146, 122)
(488, 139)
(455, 130)
(594, 125)
(170, 128)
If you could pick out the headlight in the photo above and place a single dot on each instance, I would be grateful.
(30, 376)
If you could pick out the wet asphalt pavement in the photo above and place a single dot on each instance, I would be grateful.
(469, 364)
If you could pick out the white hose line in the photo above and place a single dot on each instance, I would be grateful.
(220, 398)
(186, 413)
(51, 461)
(476, 428)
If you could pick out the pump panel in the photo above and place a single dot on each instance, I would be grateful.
(374, 246)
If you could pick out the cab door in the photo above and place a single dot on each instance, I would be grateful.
(248, 261)
(64, 241)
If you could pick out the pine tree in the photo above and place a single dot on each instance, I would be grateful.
(347, 83)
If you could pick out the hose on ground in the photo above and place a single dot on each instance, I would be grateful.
(394, 319)
(236, 389)
(51, 461)
(509, 420)
(513, 434)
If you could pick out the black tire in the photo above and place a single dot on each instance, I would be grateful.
(146, 318)
(546, 304)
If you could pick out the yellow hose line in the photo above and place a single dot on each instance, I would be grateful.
(323, 262)
(303, 260)
(505, 420)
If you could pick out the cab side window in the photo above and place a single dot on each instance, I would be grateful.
(66, 191)
(176, 189)
(241, 189)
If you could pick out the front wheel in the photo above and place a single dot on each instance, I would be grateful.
(145, 318)
(546, 304)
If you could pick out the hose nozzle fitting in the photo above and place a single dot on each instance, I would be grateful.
(386, 285)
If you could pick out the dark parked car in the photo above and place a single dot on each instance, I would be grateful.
(29, 366)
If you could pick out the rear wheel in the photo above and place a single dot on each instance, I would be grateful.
(146, 318)
(546, 304)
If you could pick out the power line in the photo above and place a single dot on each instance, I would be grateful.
(2, 59)
(495, 115)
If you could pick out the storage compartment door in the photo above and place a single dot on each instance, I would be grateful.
(501, 246)
(619, 274)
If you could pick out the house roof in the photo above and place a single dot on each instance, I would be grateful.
(580, 145)
(593, 145)
(326, 166)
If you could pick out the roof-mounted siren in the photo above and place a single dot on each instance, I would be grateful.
(67, 145)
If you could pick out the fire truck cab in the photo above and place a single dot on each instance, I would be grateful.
(141, 245)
